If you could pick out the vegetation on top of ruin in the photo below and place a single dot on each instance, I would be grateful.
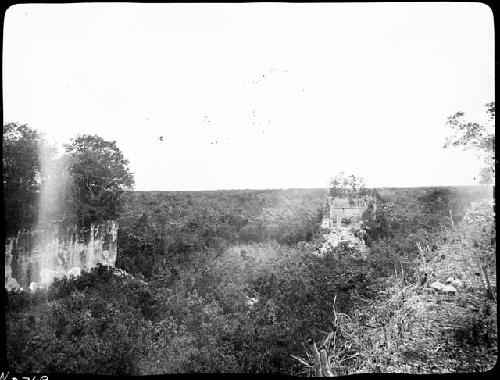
(100, 176)
(350, 186)
(21, 176)
(88, 181)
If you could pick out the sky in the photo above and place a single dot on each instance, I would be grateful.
(255, 96)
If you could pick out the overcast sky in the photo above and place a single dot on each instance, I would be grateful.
(256, 95)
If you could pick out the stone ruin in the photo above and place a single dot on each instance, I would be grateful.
(34, 258)
(344, 221)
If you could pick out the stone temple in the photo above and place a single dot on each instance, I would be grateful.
(344, 219)
(344, 211)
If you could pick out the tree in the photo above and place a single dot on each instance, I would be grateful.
(477, 136)
(22, 175)
(343, 185)
(100, 176)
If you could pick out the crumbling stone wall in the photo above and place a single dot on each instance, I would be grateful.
(38, 256)
(351, 208)
(344, 222)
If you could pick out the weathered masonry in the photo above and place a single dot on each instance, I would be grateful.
(36, 257)
(347, 210)
(344, 220)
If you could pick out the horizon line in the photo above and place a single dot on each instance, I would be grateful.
(313, 188)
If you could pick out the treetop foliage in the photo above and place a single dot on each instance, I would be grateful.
(476, 136)
(85, 185)
(100, 176)
(21, 175)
